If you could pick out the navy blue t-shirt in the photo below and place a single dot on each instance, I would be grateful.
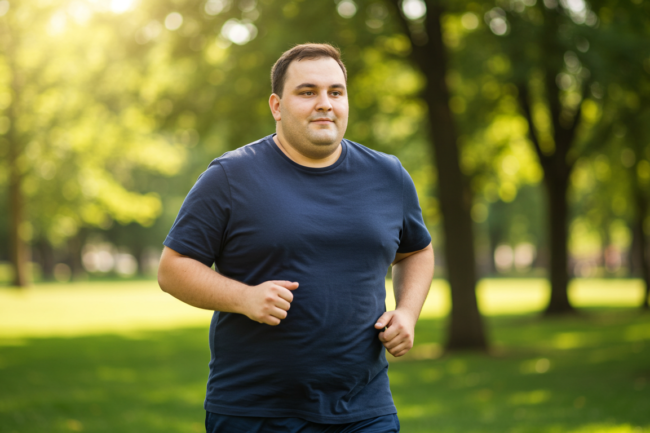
(259, 216)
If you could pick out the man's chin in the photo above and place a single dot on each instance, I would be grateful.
(323, 139)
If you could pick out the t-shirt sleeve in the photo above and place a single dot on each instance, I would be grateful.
(203, 217)
(415, 235)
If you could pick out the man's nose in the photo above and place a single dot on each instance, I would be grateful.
(323, 103)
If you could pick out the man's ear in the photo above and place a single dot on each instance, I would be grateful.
(274, 103)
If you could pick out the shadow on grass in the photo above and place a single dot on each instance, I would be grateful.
(587, 374)
(584, 374)
(145, 382)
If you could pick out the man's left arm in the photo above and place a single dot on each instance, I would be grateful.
(412, 275)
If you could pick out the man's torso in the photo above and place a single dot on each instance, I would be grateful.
(334, 230)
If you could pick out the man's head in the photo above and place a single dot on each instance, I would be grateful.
(309, 100)
(298, 53)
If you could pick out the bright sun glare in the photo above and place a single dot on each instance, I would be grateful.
(119, 6)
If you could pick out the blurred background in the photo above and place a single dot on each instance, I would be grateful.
(525, 125)
(111, 109)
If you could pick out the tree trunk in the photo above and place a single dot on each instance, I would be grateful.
(646, 277)
(75, 246)
(606, 242)
(557, 208)
(46, 259)
(495, 236)
(19, 252)
(639, 253)
(636, 270)
(643, 258)
(138, 253)
(557, 163)
(18, 248)
(557, 170)
(466, 328)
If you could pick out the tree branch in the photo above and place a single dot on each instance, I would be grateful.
(405, 24)
(403, 21)
(571, 132)
(524, 103)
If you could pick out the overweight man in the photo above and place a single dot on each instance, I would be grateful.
(302, 226)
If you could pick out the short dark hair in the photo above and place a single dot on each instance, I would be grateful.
(298, 53)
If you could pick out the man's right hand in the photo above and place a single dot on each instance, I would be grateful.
(269, 302)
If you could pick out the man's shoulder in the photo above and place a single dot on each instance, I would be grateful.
(242, 155)
(373, 157)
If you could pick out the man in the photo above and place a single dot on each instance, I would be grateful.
(302, 226)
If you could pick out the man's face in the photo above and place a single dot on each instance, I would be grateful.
(312, 114)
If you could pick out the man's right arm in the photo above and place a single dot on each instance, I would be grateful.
(196, 284)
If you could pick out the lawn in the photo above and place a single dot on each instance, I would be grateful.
(124, 357)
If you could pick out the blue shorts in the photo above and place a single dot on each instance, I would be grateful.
(216, 423)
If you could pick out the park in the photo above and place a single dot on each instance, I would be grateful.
(523, 124)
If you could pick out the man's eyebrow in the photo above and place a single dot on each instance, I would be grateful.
(303, 85)
(310, 86)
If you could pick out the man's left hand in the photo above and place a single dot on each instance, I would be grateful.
(399, 333)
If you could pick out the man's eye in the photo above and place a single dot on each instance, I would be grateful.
(308, 93)
(336, 93)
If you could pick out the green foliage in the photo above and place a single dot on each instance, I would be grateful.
(127, 91)
(119, 110)
(584, 68)
(74, 111)
(615, 167)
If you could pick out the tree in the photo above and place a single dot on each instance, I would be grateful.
(70, 130)
(618, 143)
(636, 118)
(628, 111)
(557, 155)
(553, 68)
(466, 330)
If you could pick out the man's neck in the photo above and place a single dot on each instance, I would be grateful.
(303, 160)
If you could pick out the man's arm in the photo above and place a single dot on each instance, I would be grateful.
(412, 274)
(196, 284)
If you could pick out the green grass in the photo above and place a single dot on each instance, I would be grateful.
(589, 374)
(63, 368)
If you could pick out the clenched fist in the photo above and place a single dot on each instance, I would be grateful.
(269, 302)
(400, 329)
